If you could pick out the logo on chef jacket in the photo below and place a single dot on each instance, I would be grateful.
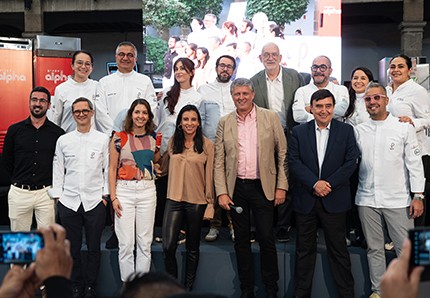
(55, 75)
(9, 75)
(93, 155)
(417, 150)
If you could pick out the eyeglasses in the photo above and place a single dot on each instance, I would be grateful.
(268, 55)
(122, 55)
(81, 63)
(83, 112)
(36, 100)
(376, 97)
(321, 67)
(228, 66)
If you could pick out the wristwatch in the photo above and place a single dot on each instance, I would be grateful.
(418, 196)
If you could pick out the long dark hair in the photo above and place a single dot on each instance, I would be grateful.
(206, 52)
(128, 122)
(351, 91)
(172, 96)
(178, 136)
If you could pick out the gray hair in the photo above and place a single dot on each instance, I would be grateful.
(126, 44)
(240, 82)
(375, 85)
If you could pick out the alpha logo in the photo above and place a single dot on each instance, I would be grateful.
(10, 76)
(55, 76)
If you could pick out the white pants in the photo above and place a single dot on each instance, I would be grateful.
(138, 200)
(23, 202)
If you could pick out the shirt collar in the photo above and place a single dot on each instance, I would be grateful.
(251, 115)
(278, 77)
(45, 123)
(318, 129)
(127, 74)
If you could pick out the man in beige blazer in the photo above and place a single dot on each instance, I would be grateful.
(250, 172)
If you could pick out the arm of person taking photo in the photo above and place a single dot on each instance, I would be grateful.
(53, 267)
(397, 280)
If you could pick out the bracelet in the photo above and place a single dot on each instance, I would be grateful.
(114, 200)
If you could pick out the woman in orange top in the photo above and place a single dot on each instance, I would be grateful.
(133, 153)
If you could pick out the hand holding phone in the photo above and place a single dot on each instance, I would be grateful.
(20, 247)
(399, 280)
(54, 259)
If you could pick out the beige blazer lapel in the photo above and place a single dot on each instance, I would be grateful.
(231, 148)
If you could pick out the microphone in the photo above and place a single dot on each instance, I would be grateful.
(238, 209)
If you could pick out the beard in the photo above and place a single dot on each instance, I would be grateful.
(39, 114)
(223, 79)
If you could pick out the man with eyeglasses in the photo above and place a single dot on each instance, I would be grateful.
(80, 185)
(28, 151)
(216, 103)
(275, 87)
(390, 170)
(320, 72)
(117, 91)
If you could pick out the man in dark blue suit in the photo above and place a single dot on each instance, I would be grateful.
(322, 155)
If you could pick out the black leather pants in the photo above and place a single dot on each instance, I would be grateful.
(174, 214)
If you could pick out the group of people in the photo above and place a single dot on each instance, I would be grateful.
(189, 153)
(206, 43)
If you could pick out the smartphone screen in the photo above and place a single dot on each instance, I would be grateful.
(19, 247)
(420, 240)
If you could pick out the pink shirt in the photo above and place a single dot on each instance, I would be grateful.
(247, 163)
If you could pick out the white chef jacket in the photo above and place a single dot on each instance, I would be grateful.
(360, 114)
(412, 100)
(302, 98)
(80, 169)
(391, 165)
(216, 102)
(114, 96)
(65, 94)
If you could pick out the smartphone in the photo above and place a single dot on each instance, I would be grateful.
(420, 252)
(19, 247)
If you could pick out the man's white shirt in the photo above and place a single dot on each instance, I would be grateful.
(80, 169)
(275, 95)
(216, 102)
(302, 99)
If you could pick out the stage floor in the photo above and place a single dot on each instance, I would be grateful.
(217, 268)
